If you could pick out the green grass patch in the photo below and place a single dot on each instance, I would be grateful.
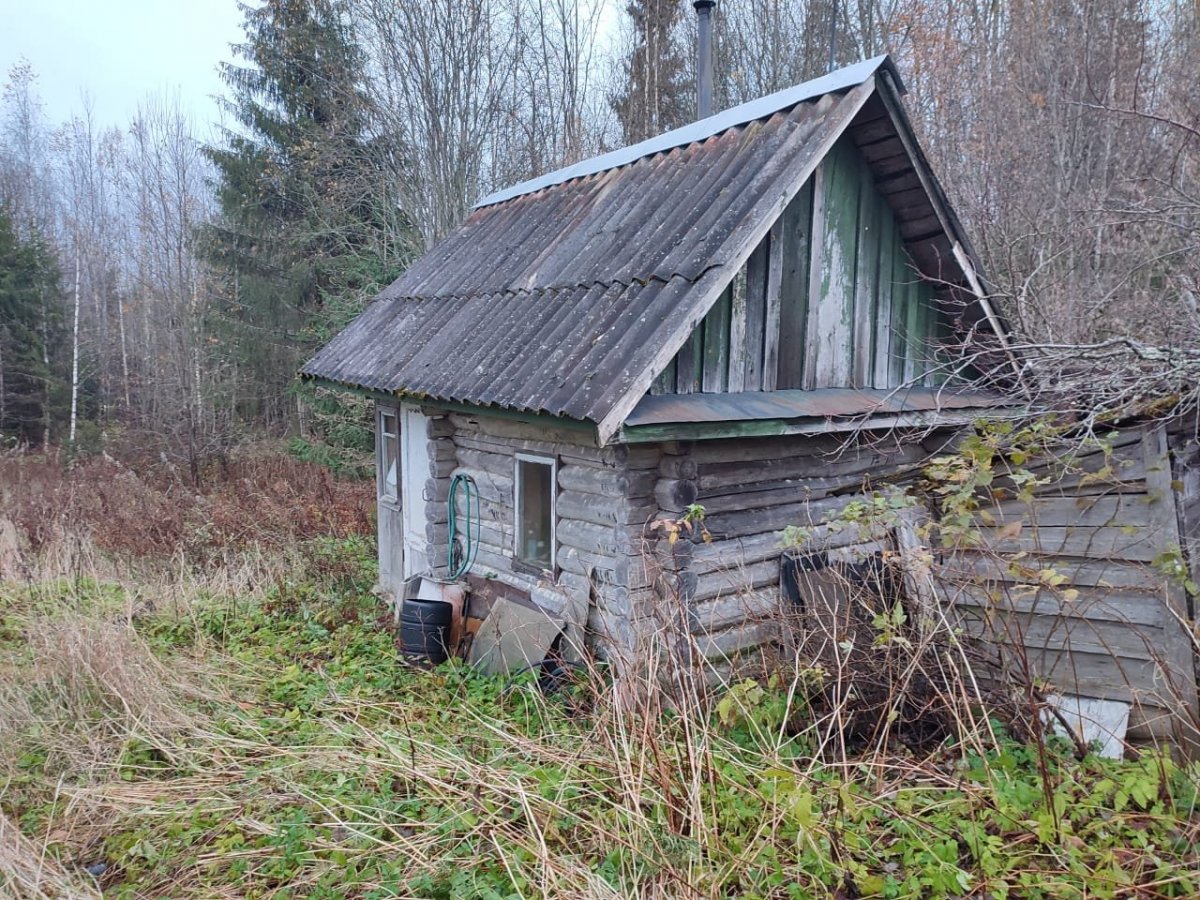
(277, 745)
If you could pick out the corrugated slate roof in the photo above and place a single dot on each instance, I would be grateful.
(559, 301)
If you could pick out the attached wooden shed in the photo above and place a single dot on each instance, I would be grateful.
(699, 318)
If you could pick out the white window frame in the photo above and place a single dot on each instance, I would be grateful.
(550, 462)
(392, 496)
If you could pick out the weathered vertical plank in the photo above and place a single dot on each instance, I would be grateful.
(913, 323)
(796, 262)
(816, 269)
(900, 304)
(665, 382)
(884, 292)
(1178, 654)
(771, 302)
(866, 278)
(714, 377)
(738, 351)
(756, 317)
(831, 316)
(685, 364)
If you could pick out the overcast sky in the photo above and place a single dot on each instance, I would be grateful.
(118, 51)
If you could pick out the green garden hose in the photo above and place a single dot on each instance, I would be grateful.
(460, 563)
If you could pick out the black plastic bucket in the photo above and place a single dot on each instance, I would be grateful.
(425, 628)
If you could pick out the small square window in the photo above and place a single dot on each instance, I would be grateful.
(534, 488)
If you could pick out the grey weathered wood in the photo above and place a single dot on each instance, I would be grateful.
(736, 580)
(813, 337)
(755, 521)
(709, 615)
(483, 461)
(675, 495)
(715, 375)
(1120, 511)
(1101, 573)
(738, 351)
(739, 639)
(591, 538)
(756, 317)
(601, 510)
(866, 280)
(614, 483)
(1179, 648)
(1088, 541)
(490, 485)
(685, 366)
(1139, 608)
(507, 428)
(771, 307)
(750, 475)
(1040, 633)
(677, 467)
(795, 261)
(885, 290)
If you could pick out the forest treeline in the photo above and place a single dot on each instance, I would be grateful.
(161, 282)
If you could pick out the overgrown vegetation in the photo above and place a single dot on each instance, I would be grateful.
(265, 739)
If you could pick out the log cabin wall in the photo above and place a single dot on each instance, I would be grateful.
(603, 501)
(830, 298)
(1116, 627)
(1106, 529)
(751, 490)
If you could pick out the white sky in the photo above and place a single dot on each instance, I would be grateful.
(120, 51)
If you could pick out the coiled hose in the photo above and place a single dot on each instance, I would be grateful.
(460, 562)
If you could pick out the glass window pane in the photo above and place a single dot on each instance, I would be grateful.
(536, 528)
(389, 456)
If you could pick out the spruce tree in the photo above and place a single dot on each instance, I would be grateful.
(295, 242)
(655, 95)
(29, 326)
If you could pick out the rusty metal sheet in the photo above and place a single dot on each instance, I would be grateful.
(822, 403)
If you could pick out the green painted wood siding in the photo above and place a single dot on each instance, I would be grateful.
(829, 299)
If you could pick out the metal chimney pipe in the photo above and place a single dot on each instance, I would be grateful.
(704, 58)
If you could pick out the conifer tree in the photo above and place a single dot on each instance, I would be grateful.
(298, 231)
(29, 283)
(655, 94)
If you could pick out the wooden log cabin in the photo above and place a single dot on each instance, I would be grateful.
(701, 318)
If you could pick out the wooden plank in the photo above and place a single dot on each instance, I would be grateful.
(739, 639)
(882, 320)
(714, 377)
(665, 382)
(736, 580)
(771, 318)
(795, 260)
(1097, 543)
(1139, 608)
(715, 611)
(1109, 574)
(1117, 511)
(866, 279)
(738, 351)
(816, 269)
(1179, 647)
(831, 293)
(754, 475)
(755, 318)
(1063, 633)
(899, 316)
(685, 365)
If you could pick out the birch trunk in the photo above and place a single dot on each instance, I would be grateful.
(75, 357)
